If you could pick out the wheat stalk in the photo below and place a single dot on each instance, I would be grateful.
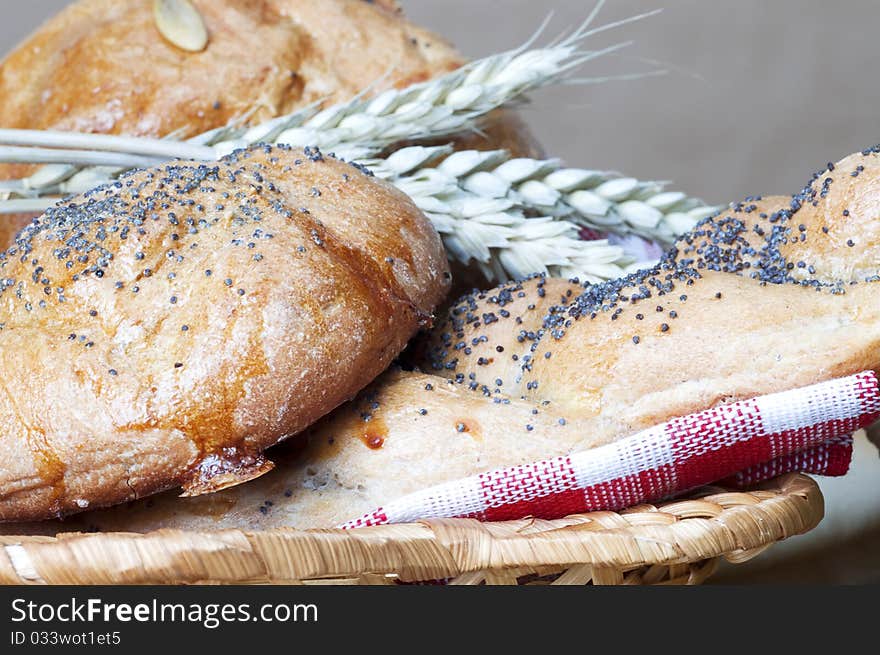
(484, 204)
(597, 199)
(445, 105)
(511, 216)
(493, 232)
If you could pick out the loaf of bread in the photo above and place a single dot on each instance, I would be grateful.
(773, 294)
(163, 330)
(103, 66)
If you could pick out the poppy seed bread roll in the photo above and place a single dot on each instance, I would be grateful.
(165, 329)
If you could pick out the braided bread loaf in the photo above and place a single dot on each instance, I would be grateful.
(773, 294)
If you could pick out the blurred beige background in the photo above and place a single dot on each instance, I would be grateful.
(759, 94)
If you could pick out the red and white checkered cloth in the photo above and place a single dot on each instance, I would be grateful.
(806, 430)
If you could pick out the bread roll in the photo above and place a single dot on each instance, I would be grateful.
(102, 66)
(757, 300)
(165, 329)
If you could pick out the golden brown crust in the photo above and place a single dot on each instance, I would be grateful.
(421, 430)
(841, 233)
(264, 56)
(267, 55)
(172, 326)
(749, 303)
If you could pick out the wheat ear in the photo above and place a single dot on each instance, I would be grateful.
(496, 234)
(597, 199)
(512, 217)
(515, 217)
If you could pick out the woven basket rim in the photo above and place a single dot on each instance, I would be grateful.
(715, 523)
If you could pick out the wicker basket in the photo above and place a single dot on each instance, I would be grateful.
(678, 542)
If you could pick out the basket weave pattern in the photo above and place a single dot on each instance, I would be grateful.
(676, 542)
